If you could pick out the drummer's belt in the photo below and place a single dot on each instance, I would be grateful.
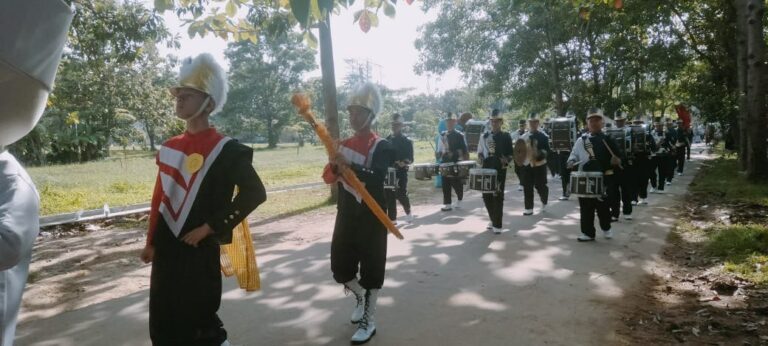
(608, 172)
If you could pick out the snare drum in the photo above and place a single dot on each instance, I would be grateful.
(424, 171)
(449, 170)
(587, 184)
(390, 182)
(464, 167)
(483, 179)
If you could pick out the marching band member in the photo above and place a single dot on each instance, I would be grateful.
(359, 242)
(661, 166)
(533, 172)
(620, 193)
(682, 144)
(33, 36)
(641, 160)
(592, 153)
(552, 162)
(403, 147)
(494, 151)
(515, 136)
(193, 212)
(562, 159)
(463, 120)
(671, 132)
(452, 147)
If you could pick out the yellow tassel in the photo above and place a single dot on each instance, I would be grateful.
(239, 258)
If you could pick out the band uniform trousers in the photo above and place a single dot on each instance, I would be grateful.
(680, 158)
(455, 183)
(661, 171)
(565, 173)
(620, 191)
(672, 158)
(517, 173)
(494, 202)
(399, 193)
(642, 168)
(359, 243)
(534, 177)
(588, 207)
(553, 163)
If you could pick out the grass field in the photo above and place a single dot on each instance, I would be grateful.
(128, 177)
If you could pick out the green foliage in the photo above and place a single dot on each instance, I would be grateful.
(262, 77)
(221, 17)
(548, 56)
(110, 79)
(744, 248)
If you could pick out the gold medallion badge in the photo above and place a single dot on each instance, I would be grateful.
(194, 162)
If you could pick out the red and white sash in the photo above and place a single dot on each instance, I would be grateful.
(181, 178)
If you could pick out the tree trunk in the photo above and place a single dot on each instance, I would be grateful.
(557, 84)
(594, 65)
(329, 85)
(757, 168)
(741, 71)
(150, 134)
(271, 138)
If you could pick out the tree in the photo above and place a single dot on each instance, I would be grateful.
(262, 76)
(97, 78)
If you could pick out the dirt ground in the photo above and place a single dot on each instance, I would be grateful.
(449, 283)
(78, 266)
(688, 299)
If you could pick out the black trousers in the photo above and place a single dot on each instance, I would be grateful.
(185, 292)
(688, 151)
(620, 193)
(673, 166)
(587, 208)
(565, 173)
(359, 243)
(680, 158)
(534, 177)
(661, 171)
(553, 163)
(400, 193)
(457, 184)
(642, 167)
(494, 202)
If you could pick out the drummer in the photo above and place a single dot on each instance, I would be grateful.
(403, 147)
(495, 151)
(515, 136)
(592, 153)
(451, 148)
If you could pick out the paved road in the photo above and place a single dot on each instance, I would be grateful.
(450, 282)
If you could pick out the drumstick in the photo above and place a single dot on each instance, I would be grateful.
(302, 102)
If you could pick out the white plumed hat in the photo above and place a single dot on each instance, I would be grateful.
(202, 73)
(32, 37)
(367, 96)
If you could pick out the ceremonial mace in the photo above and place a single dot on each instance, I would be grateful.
(302, 102)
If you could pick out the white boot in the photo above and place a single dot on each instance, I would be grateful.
(226, 343)
(366, 329)
(359, 293)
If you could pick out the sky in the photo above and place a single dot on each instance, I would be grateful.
(389, 48)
